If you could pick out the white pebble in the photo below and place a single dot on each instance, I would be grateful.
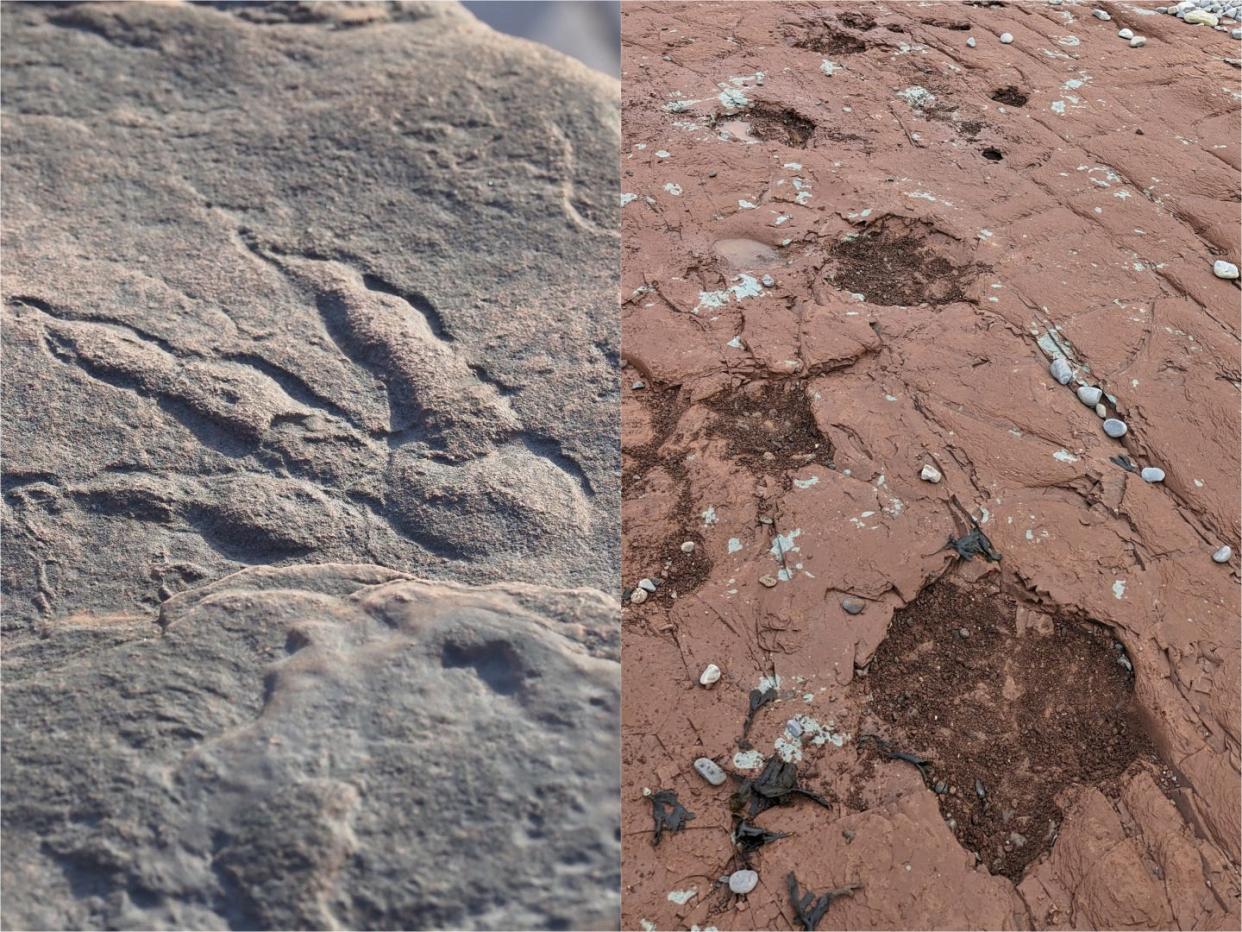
(688, 547)
(710, 771)
(1061, 370)
(1101, 15)
(1201, 17)
(1223, 269)
(1223, 555)
(1138, 42)
(1126, 33)
(1006, 38)
(1090, 395)
(647, 584)
(1100, 410)
(793, 728)
(971, 43)
(930, 474)
(742, 882)
(1152, 474)
(638, 596)
(710, 675)
(1235, 33)
(1115, 428)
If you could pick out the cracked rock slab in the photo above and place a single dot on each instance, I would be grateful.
(336, 746)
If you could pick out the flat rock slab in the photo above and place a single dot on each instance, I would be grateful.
(302, 283)
(336, 746)
(852, 245)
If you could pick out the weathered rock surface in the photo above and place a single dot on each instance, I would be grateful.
(292, 285)
(938, 223)
(325, 746)
(289, 283)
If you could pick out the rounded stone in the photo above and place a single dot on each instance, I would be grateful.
(1006, 38)
(1152, 474)
(1223, 269)
(1101, 410)
(1126, 33)
(710, 771)
(767, 581)
(1090, 395)
(1138, 42)
(1061, 370)
(710, 675)
(688, 547)
(638, 596)
(853, 604)
(647, 584)
(1101, 15)
(793, 728)
(742, 882)
(1223, 555)
(971, 43)
(930, 474)
(1115, 428)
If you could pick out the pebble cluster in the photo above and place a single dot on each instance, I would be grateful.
(1093, 397)
(1207, 13)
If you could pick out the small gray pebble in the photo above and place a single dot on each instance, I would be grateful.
(710, 771)
(971, 43)
(710, 675)
(793, 728)
(1138, 42)
(742, 882)
(1223, 269)
(688, 547)
(639, 385)
(1090, 395)
(1017, 839)
(638, 596)
(940, 788)
(1115, 428)
(1006, 38)
(1223, 555)
(1152, 474)
(1236, 33)
(1101, 410)
(767, 581)
(963, 632)
(768, 281)
(647, 584)
(853, 605)
(1061, 370)
(1126, 33)
(1101, 15)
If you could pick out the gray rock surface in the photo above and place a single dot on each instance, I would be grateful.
(326, 746)
(314, 290)
(302, 283)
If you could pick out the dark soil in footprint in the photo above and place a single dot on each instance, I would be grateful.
(664, 407)
(897, 262)
(1008, 720)
(827, 39)
(779, 124)
(769, 426)
(1009, 96)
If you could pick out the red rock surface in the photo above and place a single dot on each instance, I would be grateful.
(1116, 188)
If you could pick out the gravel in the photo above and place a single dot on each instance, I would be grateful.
(742, 882)
(1090, 395)
(710, 771)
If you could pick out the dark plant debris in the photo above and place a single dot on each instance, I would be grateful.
(668, 813)
(808, 908)
(776, 783)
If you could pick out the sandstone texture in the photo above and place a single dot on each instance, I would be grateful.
(853, 244)
(310, 471)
